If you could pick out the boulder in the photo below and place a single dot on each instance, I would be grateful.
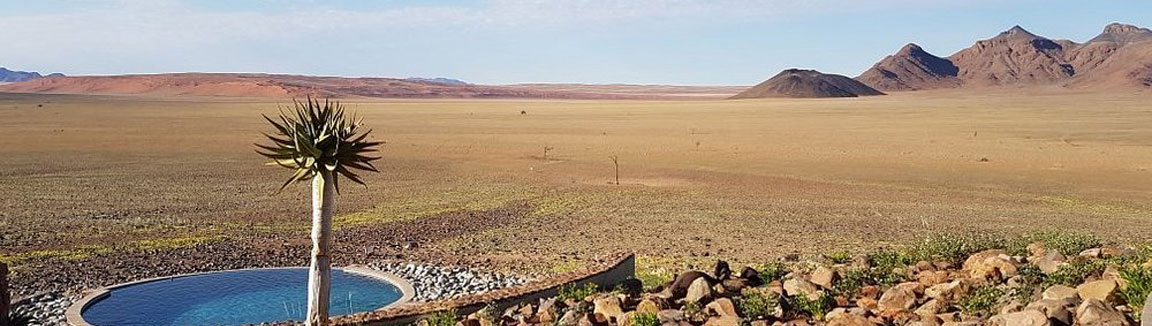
(1050, 262)
(1057, 310)
(722, 307)
(722, 321)
(1146, 314)
(631, 287)
(678, 288)
(1037, 249)
(698, 291)
(670, 315)
(899, 298)
(866, 303)
(949, 292)
(824, 277)
(993, 264)
(751, 276)
(609, 306)
(798, 287)
(648, 306)
(1103, 290)
(1022, 318)
(930, 308)
(848, 319)
(570, 317)
(1093, 312)
(626, 319)
(1060, 292)
(931, 277)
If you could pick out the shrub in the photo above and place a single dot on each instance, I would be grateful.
(645, 319)
(815, 308)
(1065, 242)
(888, 259)
(1076, 271)
(839, 257)
(981, 301)
(653, 279)
(953, 247)
(772, 271)
(851, 280)
(443, 318)
(1031, 280)
(1137, 286)
(756, 304)
(576, 293)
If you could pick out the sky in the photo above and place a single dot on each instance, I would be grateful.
(681, 42)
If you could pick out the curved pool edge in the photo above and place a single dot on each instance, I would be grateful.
(74, 315)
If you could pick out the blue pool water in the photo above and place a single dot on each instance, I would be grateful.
(235, 298)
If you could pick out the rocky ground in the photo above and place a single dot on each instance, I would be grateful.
(961, 284)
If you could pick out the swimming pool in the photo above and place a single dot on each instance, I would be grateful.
(237, 297)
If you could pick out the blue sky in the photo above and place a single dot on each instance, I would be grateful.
(685, 42)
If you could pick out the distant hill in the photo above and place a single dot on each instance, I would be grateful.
(439, 80)
(1121, 56)
(12, 76)
(799, 83)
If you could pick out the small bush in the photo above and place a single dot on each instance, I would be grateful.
(1137, 286)
(954, 247)
(1075, 271)
(1031, 280)
(889, 259)
(653, 279)
(692, 310)
(851, 280)
(839, 257)
(645, 319)
(772, 271)
(981, 301)
(1065, 242)
(755, 304)
(815, 308)
(573, 292)
(443, 318)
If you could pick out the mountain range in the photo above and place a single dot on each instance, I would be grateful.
(12, 76)
(1121, 56)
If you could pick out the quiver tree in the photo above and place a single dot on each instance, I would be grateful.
(318, 142)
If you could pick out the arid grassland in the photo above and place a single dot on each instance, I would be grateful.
(87, 179)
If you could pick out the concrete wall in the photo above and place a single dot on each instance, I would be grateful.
(607, 274)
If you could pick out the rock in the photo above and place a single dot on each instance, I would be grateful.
(994, 264)
(670, 315)
(678, 288)
(722, 307)
(1011, 307)
(1050, 262)
(1093, 312)
(1022, 318)
(1054, 309)
(1110, 252)
(824, 277)
(468, 322)
(699, 290)
(609, 306)
(1092, 253)
(751, 276)
(722, 321)
(648, 306)
(1037, 249)
(631, 287)
(866, 303)
(929, 308)
(546, 314)
(797, 287)
(870, 291)
(848, 319)
(899, 298)
(949, 292)
(1060, 292)
(570, 318)
(1103, 290)
(930, 277)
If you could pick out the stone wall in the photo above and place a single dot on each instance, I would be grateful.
(605, 273)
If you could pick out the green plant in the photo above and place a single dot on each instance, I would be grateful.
(1029, 282)
(851, 280)
(1076, 271)
(576, 293)
(756, 304)
(889, 259)
(443, 318)
(652, 278)
(318, 142)
(772, 271)
(645, 319)
(1137, 286)
(693, 310)
(981, 300)
(1064, 242)
(839, 257)
(816, 308)
(953, 247)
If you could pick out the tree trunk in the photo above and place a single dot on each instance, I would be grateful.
(5, 300)
(320, 272)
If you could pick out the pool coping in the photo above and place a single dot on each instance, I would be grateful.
(73, 316)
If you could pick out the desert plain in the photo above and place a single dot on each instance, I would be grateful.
(94, 180)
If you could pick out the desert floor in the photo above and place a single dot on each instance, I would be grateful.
(88, 176)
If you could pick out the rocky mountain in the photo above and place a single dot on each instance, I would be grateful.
(439, 80)
(1120, 56)
(911, 68)
(799, 83)
(12, 76)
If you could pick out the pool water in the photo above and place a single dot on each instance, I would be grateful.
(235, 298)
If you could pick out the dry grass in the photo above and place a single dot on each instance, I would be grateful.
(701, 179)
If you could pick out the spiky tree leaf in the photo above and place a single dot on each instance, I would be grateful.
(315, 136)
